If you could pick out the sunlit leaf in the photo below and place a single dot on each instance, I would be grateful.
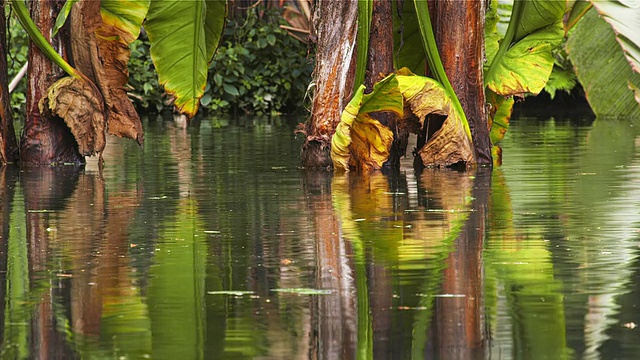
(63, 15)
(359, 139)
(560, 80)
(182, 43)
(526, 66)
(537, 15)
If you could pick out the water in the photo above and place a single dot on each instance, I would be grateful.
(211, 243)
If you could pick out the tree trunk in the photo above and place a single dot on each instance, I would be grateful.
(45, 140)
(335, 26)
(8, 144)
(380, 64)
(459, 30)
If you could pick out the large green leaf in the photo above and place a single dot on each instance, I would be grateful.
(183, 40)
(527, 65)
(624, 18)
(360, 140)
(499, 115)
(214, 25)
(602, 68)
(523, 61)
(126, 17)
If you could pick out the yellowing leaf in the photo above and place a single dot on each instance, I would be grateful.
(361, 141)
(526, 66)
(499, 115)
(450, 144)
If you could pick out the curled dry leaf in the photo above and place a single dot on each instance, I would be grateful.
(79, 103)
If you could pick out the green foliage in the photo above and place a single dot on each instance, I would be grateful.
(19, 44)
(146, 92)
(258, 69)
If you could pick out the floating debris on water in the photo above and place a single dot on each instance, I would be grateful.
(304, 291)
(231, 292)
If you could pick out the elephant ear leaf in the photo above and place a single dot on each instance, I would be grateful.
(182, 65)
(523, 62)
(360, 141)
(425, 97)
(527, 65)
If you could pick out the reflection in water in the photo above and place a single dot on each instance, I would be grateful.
(211, 243)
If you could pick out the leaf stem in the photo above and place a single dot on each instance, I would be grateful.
(433, 58)
(509, 37)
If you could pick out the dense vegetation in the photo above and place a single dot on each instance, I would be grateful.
(258, 69)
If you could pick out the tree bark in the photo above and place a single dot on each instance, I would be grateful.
(380, 64)
(8, 144)
(45, 140)
(335, 26)
(459, 30)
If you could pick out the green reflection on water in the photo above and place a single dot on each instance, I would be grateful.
(184, 244)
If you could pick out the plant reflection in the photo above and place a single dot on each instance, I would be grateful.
(187, 256)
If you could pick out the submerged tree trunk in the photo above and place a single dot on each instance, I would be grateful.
(8, 144)
(44, 140)
(335, 24)
(459, 30)
(380, 64)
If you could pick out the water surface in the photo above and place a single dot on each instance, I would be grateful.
(212, 243)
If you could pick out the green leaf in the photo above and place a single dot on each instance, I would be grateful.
(365, 9)
(230, 89)
(523, 61)
(214, 25)
(526, 66)
(63, 15)
(560, 80)
(407, 41)
(602, 68)
(181, 49)
(127, 17)
(624, 18)
(536, 15)
(499, 115)
(359, 139)
(578, 9)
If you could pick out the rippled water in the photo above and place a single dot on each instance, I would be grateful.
(211, 243)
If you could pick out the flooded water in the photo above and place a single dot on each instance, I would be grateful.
(211, 243)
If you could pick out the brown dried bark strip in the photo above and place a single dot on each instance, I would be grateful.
(335, 27)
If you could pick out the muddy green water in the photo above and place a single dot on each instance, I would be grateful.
(211, 243)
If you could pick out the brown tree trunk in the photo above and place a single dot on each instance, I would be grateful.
(380, 64)
(45, 140)
(459, 30)
(335, 26)
(8, 144)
